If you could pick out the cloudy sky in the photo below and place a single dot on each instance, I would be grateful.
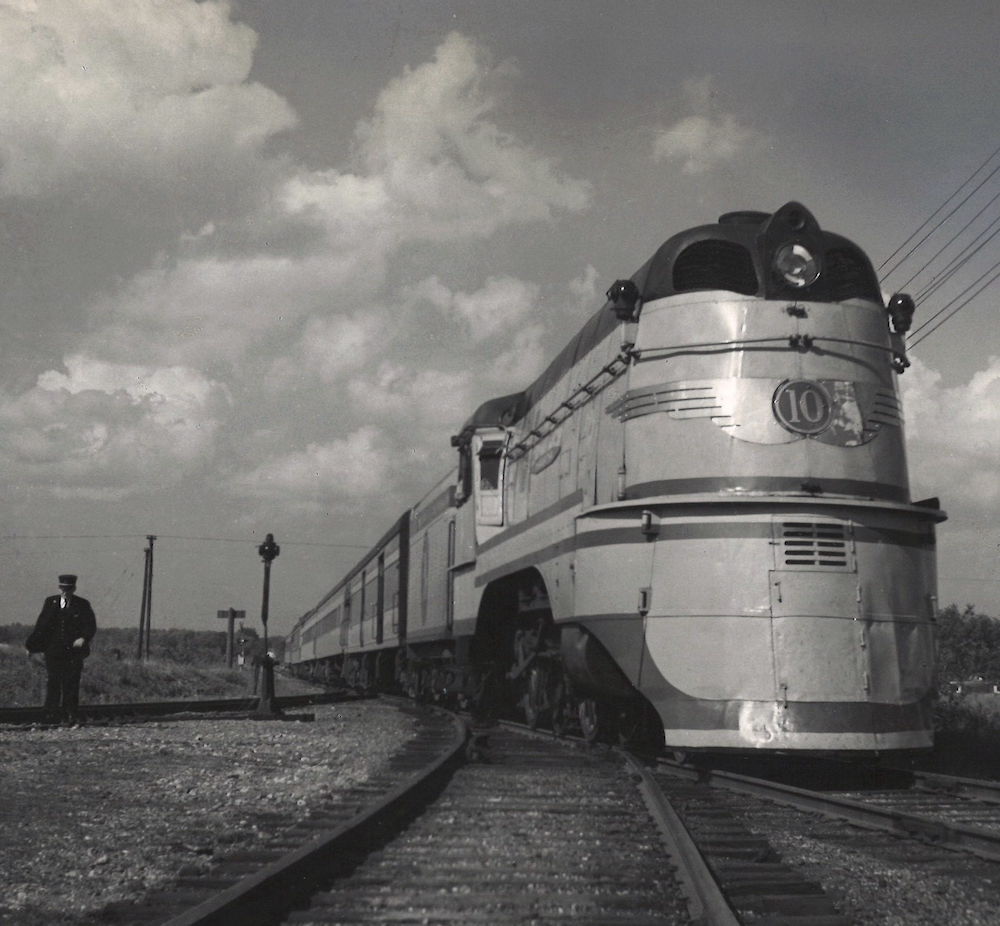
(259, 259)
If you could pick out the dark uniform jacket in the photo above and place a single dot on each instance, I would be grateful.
(57, 628)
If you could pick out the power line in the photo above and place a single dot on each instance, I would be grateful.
(930, 218)
(964, 250)
(957, 309)
(952, 240)
(297, 543)
(959, 261)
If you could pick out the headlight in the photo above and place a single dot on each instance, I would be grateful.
(795, 264)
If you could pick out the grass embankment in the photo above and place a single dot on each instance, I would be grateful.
(108, 680)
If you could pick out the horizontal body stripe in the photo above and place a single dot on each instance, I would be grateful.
(730, 530)
(775, 484)
(529, 559)
(539, 517)
(736, 530)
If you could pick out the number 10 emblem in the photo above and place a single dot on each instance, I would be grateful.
(802, 406)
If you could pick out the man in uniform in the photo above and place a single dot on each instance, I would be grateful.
(63, 632)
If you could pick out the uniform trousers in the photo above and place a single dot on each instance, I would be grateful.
(62, 690)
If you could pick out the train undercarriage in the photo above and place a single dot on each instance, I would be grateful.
(531, 683)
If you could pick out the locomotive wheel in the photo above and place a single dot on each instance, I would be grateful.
(562, 706)
(593, 718)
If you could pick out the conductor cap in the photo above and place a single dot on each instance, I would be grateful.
(67, 581)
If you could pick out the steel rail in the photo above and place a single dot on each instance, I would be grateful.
(706, 901)
(975, 840)
(980, 790)
(243, 706)
(259, 897)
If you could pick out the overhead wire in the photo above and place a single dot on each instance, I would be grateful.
(954, 299)
(930, 218)
(985, 286)
(968, 250)
(958, 262)
(290, 543)
(953, 239)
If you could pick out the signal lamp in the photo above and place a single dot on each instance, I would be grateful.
(623, 296)
(795, 264)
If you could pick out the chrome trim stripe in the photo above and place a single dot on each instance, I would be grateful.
(773, 484)
(728, 530)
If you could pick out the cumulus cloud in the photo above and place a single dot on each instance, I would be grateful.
(587, 290)
(212, 309)
(102, 429)
(292, 295)
(706, 139)
(358, 465)
(333, 347)
(432, 166)
(414, 400)
(498, 306)
(954, 430)
(106, 89)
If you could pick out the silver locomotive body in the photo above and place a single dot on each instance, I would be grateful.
(698, 515)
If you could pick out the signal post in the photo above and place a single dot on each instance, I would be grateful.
(266, 706)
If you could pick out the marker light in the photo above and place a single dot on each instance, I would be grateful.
(796, 265)
(623, 296)
(901, 308)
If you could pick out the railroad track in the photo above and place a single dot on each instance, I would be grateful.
(538, 829)
(957, 813)
(939, 829)
(531, 830)
(260, 885)
(140, 710)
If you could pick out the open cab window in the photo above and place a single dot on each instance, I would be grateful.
(488, 476)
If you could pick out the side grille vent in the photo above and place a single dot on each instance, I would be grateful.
(815, 545)
(715, 265)
(849, 276)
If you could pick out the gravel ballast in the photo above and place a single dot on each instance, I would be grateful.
(97, 814)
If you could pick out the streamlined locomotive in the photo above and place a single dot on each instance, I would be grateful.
(696, 520)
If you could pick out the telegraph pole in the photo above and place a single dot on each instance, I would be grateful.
(149, 593)
(142, 607)
(231, 615)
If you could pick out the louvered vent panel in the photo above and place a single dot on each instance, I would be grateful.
(815, 545)
(715, 265)
(848, 276)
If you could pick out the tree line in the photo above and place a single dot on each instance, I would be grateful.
(968, 645)
(186, 647)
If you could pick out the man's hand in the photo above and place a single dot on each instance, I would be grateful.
(78, 642)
